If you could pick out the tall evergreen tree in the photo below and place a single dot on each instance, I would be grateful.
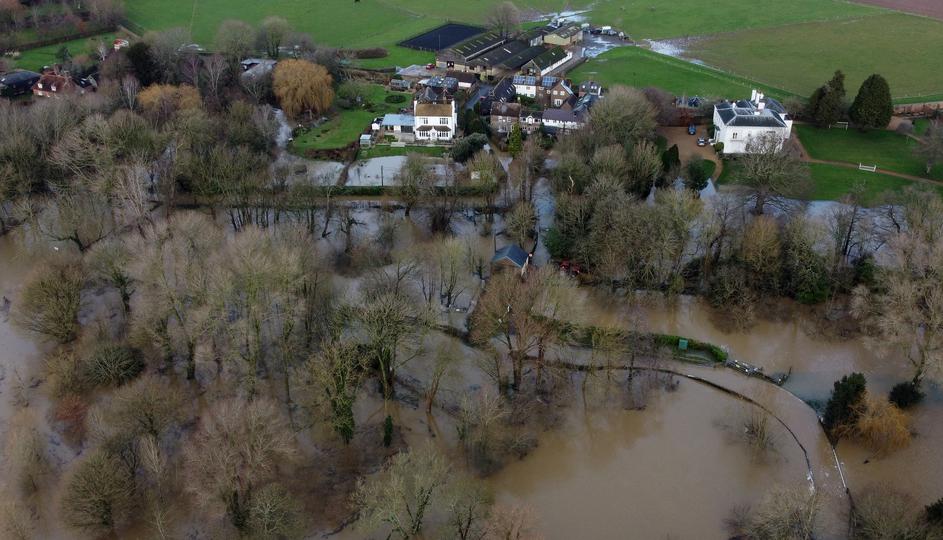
(872, 107)
(829, 101)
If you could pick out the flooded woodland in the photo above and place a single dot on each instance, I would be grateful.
(204, 336)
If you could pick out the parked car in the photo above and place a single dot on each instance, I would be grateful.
(692, 129)
(701, 141)
(17, 83)
(430, 66)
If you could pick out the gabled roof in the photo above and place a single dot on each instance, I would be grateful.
(752, 120)
(516, 61)
(462, 76)
(477, 45)
(549, 57)
(448, 83)
(433, 109)
(525, 80)
(504, 90)
(744, 113)
(567, 31)
(501, 53)
(511, 253)
(534, 33)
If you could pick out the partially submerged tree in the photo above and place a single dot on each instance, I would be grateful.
(98, 495)
(399, 499)
(331, 379)
(842, 411)
(237, 451)
(49, 303)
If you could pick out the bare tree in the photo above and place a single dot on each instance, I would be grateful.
(234, 40)
(881, 512)
(98, 495)
(468, 503)
(399, 499)
(930, 148)
(49, 303)
(782, 513)
(505, 18)
(415, 181)
(771, 172)
(216, 72)
(520, 223)
(129, 91)
(237, 450)
(331, 379)
(275, 514)
(272, 32)
(512, 522)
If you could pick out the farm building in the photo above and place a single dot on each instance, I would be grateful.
(565, 36)
(737, 123)
(460, 56)
(505, 59)
(547, 61)
(535, 36)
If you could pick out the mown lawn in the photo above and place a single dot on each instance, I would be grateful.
(888, 150)
(387, 150)
(35, 59)
(347, 125)
(655, 19)
(397, 57)
(832, 182)
(634, 66)
(903, 48)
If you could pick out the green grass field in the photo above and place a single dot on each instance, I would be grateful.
(387, 150)
(35, 59)
(904, 49)
(652, 19)
(832, 182)
(347, 125)
(888, 150)
(634, 66)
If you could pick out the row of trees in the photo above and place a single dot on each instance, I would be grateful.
(871, 108)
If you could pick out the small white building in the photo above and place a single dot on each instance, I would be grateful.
(399, 126)
(736, 123)
(436, 121)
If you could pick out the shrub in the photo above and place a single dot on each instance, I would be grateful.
(465, 148)
(698, 174)
(841, 409)
(558, 245)
(935, 512)
(882, 425)
(63, 370)
(395, 98)
(905, 394)
(882, 513)
(373, 52)
(719, 147)
(112, 365)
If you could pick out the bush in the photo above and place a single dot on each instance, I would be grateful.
(935, 513)
(373, 52)
(112, 365)
(395, 98)
(841, 409)
(465, 148)
(719, 147)
(558, 245)
(698, 174)
(905, 394)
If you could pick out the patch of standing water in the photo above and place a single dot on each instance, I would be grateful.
(674, 48)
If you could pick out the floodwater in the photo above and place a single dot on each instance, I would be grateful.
(673, 470)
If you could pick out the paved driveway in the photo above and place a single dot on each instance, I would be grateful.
(687, 145)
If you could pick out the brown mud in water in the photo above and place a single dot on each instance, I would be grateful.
(675, 469)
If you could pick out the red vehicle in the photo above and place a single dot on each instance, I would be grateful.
(430, 66)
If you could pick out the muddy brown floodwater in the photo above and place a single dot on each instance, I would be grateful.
(673, 470)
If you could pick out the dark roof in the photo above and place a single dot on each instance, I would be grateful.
(430, 94)
(19, 77)
(549, 57)
(534, 33)
(774, 105)
(504, 90)
(726, 113)
(448, 83)
(521, 58)
(560, 115)
(757, 120)
(525, 79)
(503, 53)
(477, 45)
(462, 76)
(512, 253)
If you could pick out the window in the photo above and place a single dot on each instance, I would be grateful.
(734, 136)
(444, 121)
(423, 120)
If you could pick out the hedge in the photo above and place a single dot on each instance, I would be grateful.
(583, 335)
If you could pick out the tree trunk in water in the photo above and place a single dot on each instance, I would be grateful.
(191, 362)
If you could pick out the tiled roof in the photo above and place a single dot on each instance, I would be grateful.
(549, 57)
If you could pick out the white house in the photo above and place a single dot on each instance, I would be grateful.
(435, 121)
(735, 124)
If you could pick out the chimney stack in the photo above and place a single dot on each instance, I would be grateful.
(753, 95)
